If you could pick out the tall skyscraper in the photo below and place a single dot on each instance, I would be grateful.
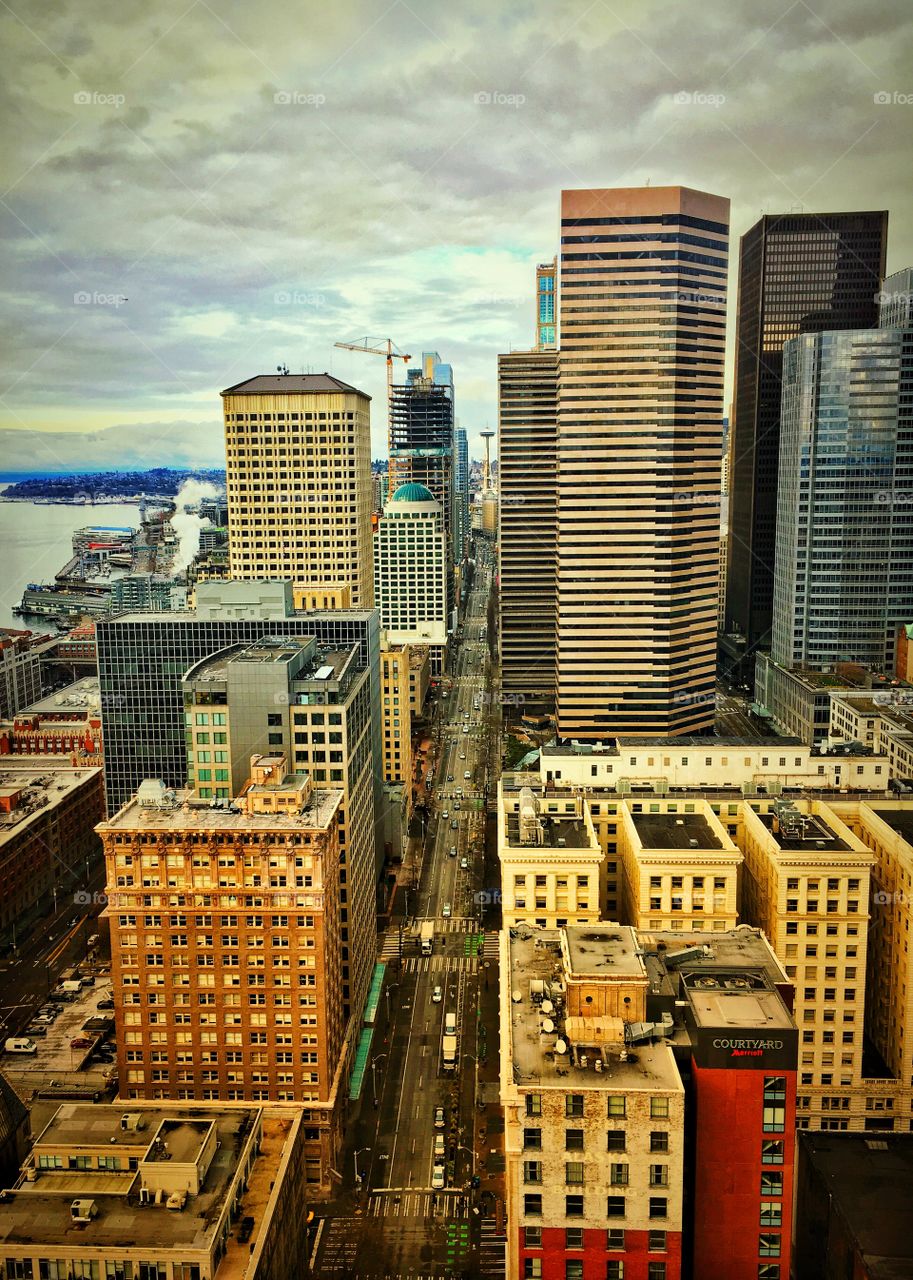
(527, 413)
(895, 302)
(422, 441)
(298, 467)
(798, 273)
(546, 293)
(410, 572)
(844, 549)
(642, 311)
(460, 495)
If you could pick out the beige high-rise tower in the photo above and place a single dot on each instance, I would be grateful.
(642, 313)
(298, 463)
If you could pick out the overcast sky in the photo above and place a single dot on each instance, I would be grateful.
(260, 180)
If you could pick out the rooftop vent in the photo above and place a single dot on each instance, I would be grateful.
(83, 1210)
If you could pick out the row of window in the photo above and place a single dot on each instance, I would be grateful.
(658, 1206)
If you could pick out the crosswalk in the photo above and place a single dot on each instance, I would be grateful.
(492, 1249)
(417, 1204)
(441, 964)
(491, 949)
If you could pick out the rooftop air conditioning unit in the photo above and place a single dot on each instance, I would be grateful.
(83, 1210)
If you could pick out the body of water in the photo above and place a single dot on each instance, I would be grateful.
(36, 542)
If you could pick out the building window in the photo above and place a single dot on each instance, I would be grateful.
(618, 1175)
(616, 1105)
(656, 1271)
(532, 1171)
(614, 1269)
(573, 1238)
(573, 1173)
(532, 1139)
(534, 1104)
(769, 1271)
(659, 1140)
(771, 1213)
(615, 1140)
(771, 1183)
(615, 1239)
(573, 1269)
(659, 1108)
(532, 1268)
(573, 1206)
(532, 1205)
(772, 1151)
(573, 1140)
(532, 1237)
(573, 1105)
(658, 1207)
(769, 1245)
(615, 1207)
(659, 1175)
(656, 1242)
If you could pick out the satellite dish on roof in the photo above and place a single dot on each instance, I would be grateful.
(516, 997)
(560, 1046)
(546, 1006)
(548, 1026)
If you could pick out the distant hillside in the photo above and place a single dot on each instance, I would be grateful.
(90, 485)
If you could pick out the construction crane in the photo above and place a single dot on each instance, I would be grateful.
(382, 347)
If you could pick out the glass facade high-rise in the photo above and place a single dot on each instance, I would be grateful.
(642, 311)
(895, 302)
(798, 273)
(527, 411)
(546, 303)
(460, 495)
(844, 549)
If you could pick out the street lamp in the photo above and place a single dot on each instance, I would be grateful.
(374, 1062)
(357, 1154)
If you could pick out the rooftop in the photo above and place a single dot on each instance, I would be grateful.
(188, 814)
(870, 1177)
(601, 948)
(735, 998)
(534, 957)
(900, 820)
(558, 832)
(82, 695)
(291, 384)
(736, 948)
(808, 832)
(675, 831)
(413, 492)
(39, 1211)
(38, 787)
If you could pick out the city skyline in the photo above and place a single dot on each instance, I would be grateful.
(137, 218)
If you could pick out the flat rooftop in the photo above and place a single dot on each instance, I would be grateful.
(272, 651)
(558, 832)
(675, 831)
(41, 786)
(81, 695)
(533, 957)
(735, 998)
(196, 815)
(742, 947)
(811, 834)
(870, 1176)
(603, 948)
(899, 820)
(37, 1213)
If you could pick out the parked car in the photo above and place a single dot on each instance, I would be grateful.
(437, 1177)
(447, 911)
(446, 814)
(464, 864)
(105, 1004)
(439, 1118)
(439, 1149)
(437, 995)
(87, 979)
(80, 1042)
(37, 1029)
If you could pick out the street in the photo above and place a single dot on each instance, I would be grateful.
(394, 1222)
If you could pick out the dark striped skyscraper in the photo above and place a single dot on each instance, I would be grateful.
(642, 327)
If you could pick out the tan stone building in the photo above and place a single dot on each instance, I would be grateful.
(395, 685)
(642, 282)
(225, 947)
(156, 1193)
(300, 494)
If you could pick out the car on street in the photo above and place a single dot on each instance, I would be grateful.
(437, 1177)
(87, 980)
(450, 777)
(37, 1029)
(467, 776)
(446, 813)
(454, 824)
(464, 864)
(439, 1118)
(462, 755)
(105, 1004)
(80, 1042)
(453, 851)
(457, 807)
(440, 1150)
(437, 995)
(447, 911)
(465, 728)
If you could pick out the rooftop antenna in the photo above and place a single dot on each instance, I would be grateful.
(282, 369)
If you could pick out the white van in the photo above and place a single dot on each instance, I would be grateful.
(20, 1044)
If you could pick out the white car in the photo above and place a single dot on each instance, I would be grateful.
(447, 911)
(446, 813)
(467, 776)
(437, 995)
(437, 1177)
(464, 864)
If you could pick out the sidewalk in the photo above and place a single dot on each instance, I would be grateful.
(488, 1136)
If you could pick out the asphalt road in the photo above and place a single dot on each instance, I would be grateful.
(396, 1223)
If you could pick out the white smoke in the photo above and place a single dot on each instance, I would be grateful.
(187, 525)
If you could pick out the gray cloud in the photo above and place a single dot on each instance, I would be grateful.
(247, 230)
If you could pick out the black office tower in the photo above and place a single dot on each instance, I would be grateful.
(798, 273)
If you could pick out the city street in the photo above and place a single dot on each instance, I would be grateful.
(393, 1222)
